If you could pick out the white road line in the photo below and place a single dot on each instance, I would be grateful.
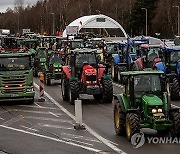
(28, 128)
(11, 121)
(81, 137)
(1, 118)
(56, 126)
(42, 107)
(105, 141)
(54, 114)
(53, 139)
(68, 139)
(48, 119)
(37, 104)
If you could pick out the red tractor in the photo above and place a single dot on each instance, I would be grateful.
(83, 74)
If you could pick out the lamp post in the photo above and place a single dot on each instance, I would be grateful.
(178, 17)
(53, 29)
(146, 19)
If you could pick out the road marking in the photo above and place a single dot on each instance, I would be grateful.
(37, 104)
(30, 111)
(11, 121)
(1, 118)
(105, 141)
(56, 126)
(42, 107)
(68, 139)
(54, 114)
(81, 137)
(28, 128)
(53, 139)
(48, 119)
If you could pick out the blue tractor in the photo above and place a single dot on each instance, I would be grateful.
(172, 71)
(123, 60)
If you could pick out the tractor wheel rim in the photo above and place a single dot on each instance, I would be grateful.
(128, 129)
(117, 118)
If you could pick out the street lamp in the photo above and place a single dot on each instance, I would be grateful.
(53, 29)
(178, 17)
(146, 19)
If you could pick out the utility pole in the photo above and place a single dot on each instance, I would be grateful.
(146, 20)
(178, 19)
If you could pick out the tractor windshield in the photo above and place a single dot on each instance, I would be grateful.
(76, 44)
(55, 58)
(175, 56)
(112, 48)
(146, 84)
(14, 63)
(85, 57)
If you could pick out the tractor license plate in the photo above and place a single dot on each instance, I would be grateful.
(14, 95)
(158, 114)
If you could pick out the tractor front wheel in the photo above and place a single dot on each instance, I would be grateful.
(119, 120)
(175, 89)
(175, 117)
(48, 79)
(132, 125)
(107, 91)
(73, 91)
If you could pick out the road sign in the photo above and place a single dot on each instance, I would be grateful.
(26, 31)
(71, 30)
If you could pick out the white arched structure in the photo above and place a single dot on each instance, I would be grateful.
(96, 21)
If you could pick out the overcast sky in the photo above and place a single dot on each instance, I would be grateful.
(4, 4)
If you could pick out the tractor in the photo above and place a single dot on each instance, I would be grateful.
(123, 60)
(54, 65)
(40, 61)
(150, 57)
(172, 69)
(145, 104)
(84, 74)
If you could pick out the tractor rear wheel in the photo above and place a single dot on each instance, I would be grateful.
(119, 120)
(132, 125)
(113, 71)
(107, 91)
(65, 88)
(175, 117)
(73, 91)
(175, 89)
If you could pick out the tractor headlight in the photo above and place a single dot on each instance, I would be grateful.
(160, 110)
(154, 110)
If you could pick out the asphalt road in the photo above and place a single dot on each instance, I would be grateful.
(47, 127)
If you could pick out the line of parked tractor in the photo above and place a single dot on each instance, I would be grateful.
(148, 68)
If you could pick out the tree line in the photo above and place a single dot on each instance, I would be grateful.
(162, 16)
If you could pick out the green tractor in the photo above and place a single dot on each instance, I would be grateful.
(54, 65)
(144, 104)
(40, 61)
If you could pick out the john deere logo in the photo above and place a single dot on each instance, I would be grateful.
(138, 140)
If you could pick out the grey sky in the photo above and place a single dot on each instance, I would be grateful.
(4, 4)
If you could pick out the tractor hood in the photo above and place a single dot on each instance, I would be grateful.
(42, 60)
(57, 65)
(152, 100)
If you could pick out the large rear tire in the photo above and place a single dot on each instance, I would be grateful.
(132, 125)
(119, 119)
(65, 88)
(107, 91)
(113, 71)
(175, 117)
(73, 91)
(175, 89)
